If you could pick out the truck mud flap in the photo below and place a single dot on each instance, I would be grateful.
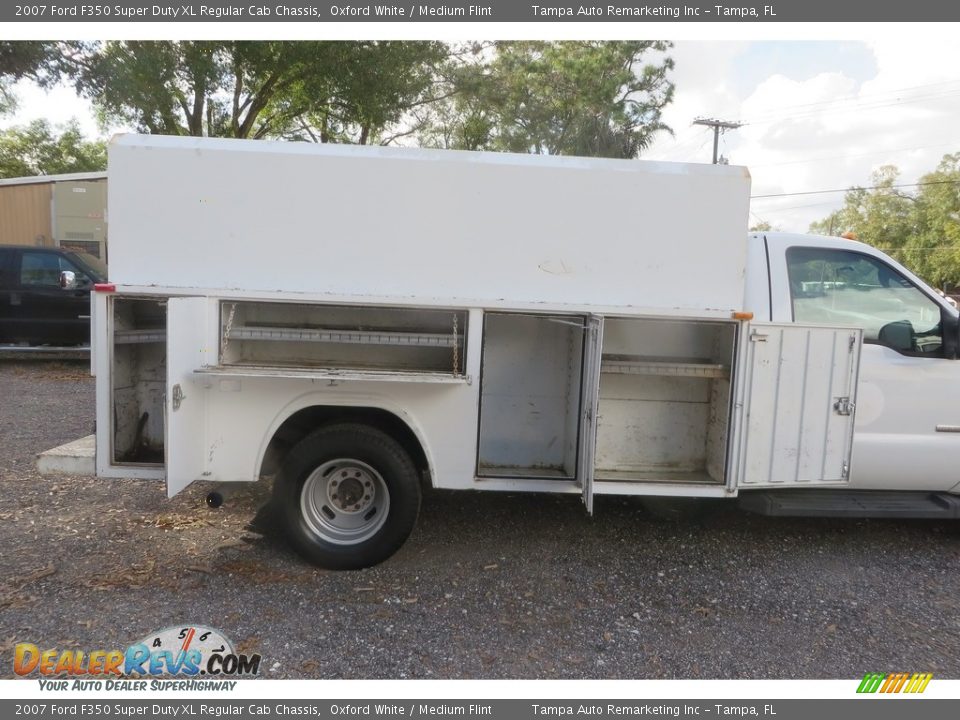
(852, 504)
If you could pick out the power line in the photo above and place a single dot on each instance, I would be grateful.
(852, 155)
(854, 103)
(780, 208)
(697, 151)
(686, 140)
(718, 127)
(845, 98)
(763, 119)
(841, 111)
(857, 187)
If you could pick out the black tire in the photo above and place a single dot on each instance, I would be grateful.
(319, 524)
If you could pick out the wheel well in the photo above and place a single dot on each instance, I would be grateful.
(303, 422)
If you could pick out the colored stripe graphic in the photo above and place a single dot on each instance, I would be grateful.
(870, 683)
(894, 682)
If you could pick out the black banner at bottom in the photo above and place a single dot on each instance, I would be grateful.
(872, 707)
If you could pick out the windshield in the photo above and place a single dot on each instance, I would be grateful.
(94, 266)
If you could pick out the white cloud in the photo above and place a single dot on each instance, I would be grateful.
(58, 105)
(825, 131)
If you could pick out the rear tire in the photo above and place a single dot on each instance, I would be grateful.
(349, 496)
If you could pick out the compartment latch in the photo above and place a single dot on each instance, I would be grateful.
(843, 406)
(177, 397)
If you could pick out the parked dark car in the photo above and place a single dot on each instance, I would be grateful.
(45, 294)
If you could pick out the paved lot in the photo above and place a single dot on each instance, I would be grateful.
(490, 585)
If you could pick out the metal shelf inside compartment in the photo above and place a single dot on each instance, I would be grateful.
(344, 337)
(674, 367)
(259, 371)
(136, 337)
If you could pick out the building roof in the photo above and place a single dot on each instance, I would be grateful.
(43, 179)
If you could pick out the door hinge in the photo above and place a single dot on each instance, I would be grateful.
(843, 406)
(852, 344)
(177, 397)
(845, 471)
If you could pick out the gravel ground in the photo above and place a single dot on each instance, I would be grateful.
(488, 586)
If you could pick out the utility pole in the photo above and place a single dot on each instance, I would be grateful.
(717, 126)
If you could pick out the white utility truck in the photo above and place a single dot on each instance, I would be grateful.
(357, 321)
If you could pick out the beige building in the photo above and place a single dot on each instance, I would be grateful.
(55, 210)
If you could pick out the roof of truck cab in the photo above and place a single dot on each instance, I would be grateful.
(788, 239)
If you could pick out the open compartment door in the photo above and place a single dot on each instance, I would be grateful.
(185, 405)
(799, 399)
(589, 401)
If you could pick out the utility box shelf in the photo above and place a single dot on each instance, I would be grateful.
(337, 375)
(138, 337)
(635, 365)
(340, 341)
(346, 337)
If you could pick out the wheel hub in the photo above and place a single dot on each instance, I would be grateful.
(345, 501)
(350, 490)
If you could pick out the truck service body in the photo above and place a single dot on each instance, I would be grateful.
(355, 321)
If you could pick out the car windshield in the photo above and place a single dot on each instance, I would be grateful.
(96, 267)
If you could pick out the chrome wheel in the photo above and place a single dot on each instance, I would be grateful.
(345, 501)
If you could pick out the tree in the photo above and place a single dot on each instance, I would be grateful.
(300, 90)
(920, 229)
(933, 248)
(39, 149)
(23, 59)
(591, 98)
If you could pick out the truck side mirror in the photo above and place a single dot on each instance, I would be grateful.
(951, 335)
(897, 335)
(952, 330)
(68, 280)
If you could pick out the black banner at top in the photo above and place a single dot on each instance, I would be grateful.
(540, 11)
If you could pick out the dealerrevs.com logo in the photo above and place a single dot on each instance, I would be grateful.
(180, 651)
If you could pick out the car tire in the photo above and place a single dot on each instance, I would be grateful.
(349, 495)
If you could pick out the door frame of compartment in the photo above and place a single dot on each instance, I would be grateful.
(580, 320)
(731, 363)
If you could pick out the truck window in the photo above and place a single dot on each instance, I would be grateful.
(842, 287)
(6, 265)
(43, 269)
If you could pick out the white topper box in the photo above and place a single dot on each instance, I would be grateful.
(411, 224)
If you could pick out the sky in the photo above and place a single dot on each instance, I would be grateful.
(818, 115)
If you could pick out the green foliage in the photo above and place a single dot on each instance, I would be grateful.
(591, 98)
(39, 149)
(920, 229)
(575, 98)
(348, 91)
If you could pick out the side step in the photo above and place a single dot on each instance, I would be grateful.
(852, 504)
(75, 458)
